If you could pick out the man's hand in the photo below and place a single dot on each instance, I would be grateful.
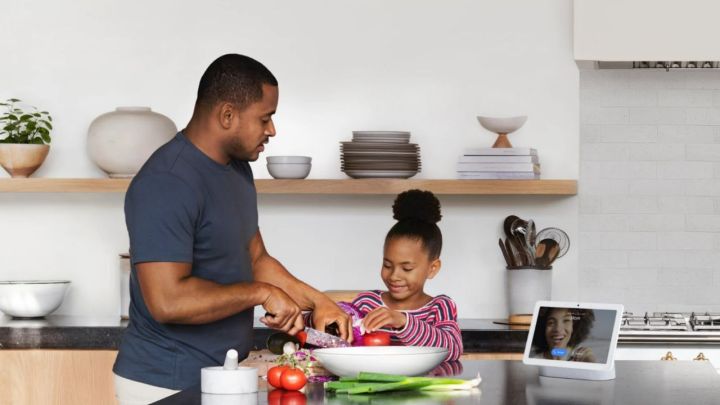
(384, 317)
(327, 312)
(282, 312)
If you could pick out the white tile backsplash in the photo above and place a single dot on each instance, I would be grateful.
(650, 189)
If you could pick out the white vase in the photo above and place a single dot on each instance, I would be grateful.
(120, 142)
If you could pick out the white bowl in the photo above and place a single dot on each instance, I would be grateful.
(31, 299)
(289, 170)
(405, 360)
(502, 125)
(289, 159)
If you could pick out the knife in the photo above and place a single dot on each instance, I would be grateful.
(322, 339)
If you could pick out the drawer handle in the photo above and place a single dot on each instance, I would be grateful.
(700, 357)
(668, 356)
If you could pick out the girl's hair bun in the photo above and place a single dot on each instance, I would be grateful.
(417, 204)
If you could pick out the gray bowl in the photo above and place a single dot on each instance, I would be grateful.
(289, 170)
(289, 159)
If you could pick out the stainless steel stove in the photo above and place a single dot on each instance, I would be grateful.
(670, 327)
(670, 336)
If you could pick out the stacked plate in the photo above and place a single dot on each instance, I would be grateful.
(380, 154)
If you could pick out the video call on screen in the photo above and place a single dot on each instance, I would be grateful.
(573, 334)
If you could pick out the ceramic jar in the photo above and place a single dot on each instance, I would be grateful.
(120, 142)
(525, 286)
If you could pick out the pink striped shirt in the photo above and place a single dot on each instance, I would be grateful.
(434, 324)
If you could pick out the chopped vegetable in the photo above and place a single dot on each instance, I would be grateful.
(368, 383)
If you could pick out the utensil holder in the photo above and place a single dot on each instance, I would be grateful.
(525, 286)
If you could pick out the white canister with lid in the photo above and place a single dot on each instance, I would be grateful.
(124, 286)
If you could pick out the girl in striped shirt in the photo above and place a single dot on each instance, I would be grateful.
(411, 257)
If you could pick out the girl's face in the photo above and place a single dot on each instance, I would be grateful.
(405, 268)
(559, 327)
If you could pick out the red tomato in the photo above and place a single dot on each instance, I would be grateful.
(274, 374)
(377, 338)
(293, 398)
(293, 379)
(302, 337)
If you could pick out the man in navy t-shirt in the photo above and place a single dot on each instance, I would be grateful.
(199, 265)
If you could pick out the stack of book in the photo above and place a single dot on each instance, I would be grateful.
(499, 163)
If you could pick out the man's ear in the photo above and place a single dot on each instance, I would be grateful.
(434, 268)
(225, 114)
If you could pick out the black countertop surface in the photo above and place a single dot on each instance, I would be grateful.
(513, 383)
(72, 332)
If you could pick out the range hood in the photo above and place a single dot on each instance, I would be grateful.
(646, 34)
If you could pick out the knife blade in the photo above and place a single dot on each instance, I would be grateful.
(322, 339)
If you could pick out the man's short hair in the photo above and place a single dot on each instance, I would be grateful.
(233, 78)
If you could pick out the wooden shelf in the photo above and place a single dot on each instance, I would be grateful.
(325, 186)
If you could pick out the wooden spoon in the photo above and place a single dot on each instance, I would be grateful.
(546, 249)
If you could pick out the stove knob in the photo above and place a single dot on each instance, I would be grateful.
(668, 356)
(700, 357)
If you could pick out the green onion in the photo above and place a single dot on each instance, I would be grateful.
(368, 383)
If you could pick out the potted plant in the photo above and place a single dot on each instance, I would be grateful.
(24, 137)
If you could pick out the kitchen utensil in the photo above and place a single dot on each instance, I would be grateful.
(514, 258)
(403, 360)
(322, 339)
(504, 253)
(542, 252)
(553, 254)
(507, 225)
(559, 236)
(502, 126)
(519, 230)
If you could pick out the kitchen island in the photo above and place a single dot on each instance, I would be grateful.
(511, 382)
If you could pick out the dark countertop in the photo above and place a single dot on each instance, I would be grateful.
(72, 332)
(511, 382)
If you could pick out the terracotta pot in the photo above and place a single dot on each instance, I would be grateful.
(120, 142)
(20, 159)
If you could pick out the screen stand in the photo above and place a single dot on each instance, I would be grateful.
(577, 374)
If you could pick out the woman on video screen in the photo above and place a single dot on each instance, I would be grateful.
(559, 333)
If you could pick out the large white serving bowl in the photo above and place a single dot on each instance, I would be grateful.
(404, 360)
(502, 125)
(289, 170)
(32, 299)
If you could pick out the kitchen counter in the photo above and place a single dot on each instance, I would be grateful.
(71, 332)
(511, 382)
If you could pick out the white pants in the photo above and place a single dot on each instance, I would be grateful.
(129, 392)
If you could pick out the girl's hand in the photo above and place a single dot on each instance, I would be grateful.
(384, 317)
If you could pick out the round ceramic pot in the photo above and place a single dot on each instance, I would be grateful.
(120, 142)
(525, 287)
(21, 160)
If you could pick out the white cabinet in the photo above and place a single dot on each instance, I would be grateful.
(646, 30)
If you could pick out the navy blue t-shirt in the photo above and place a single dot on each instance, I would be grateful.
(184, 207)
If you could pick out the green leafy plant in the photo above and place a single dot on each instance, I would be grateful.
(21, 123)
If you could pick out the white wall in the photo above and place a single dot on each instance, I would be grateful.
(425, 66)
(650, 188)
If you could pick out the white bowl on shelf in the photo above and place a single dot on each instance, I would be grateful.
(31, 298)
(289, 170)
(404, 360)
(502, 125)
(289, 159)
